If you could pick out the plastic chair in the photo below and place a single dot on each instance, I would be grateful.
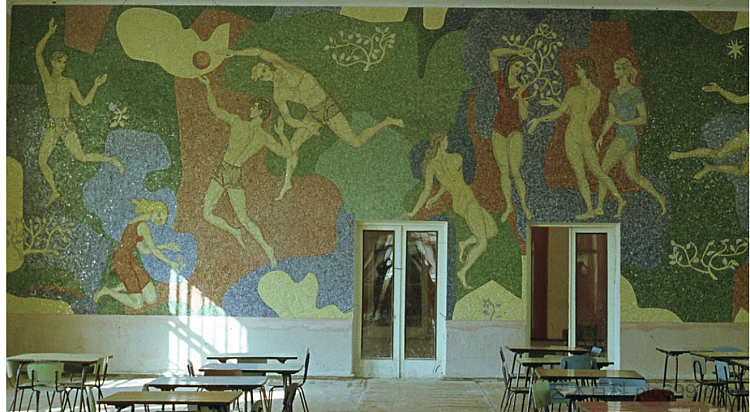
(595, 351)
(578, 362)
(510, 390)
(10, 369)
(727, 388)
(557, 398)
(46, 377)
(541, 396)
(190, 368)
(656, 395)
(302, 397)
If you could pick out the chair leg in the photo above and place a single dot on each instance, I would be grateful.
(303, 399)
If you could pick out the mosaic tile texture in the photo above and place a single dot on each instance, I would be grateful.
(175, 160)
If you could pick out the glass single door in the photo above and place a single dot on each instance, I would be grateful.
(400, 289)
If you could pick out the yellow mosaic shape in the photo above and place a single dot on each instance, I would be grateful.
(490, 302)
(157, 36)
(295, 300)
(15, 304)
(13, 208)
(630, 312)
(742, 20)
(742, 316)
(433, 18)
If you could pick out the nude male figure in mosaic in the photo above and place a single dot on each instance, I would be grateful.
(292, 84)
(246, 138)
(58, 90)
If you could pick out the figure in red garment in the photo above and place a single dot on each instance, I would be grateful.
(136, 287)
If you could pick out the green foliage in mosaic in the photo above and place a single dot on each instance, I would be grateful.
(29, 281)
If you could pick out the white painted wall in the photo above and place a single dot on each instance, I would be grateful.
(163, 344)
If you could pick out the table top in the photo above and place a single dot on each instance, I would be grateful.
(721, 355)
(555, 360)
(547, 348)
(245, 383)
(680, 406)
(223, 357)
(742, 363)
(200, 398)
(563, 374)
(81, 358)
(680, 351)
(282, 368)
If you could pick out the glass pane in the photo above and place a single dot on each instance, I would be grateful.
(591, 289)
(377, 294)
(549, 286)
(420, 316)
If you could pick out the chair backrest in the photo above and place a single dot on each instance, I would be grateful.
(307, 363)
(620, 383)
(190, 368)
(699, 368)
(100, 370)
(722, 370)
(555, 387)
(540, 393)
(578, 362)
(595, 351)
(506, 379)
(656, 395)
(47, 373)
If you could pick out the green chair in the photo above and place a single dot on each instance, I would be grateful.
(47, 378)
(541, 396)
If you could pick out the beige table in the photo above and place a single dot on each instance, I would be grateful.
(219, 401)
(568, 374)
(85, 360)
(284, 369)
(213, 383)
(537, 350)
(681, 406)
(240, 357)
(675, 353)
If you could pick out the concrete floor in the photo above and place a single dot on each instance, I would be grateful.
(349, 395)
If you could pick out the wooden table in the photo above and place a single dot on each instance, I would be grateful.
(675, 353)
(722, 356)
(285, 370)
(85, 360)
(237, 383)
(555, 361)
(224, 357)
(604, 393)
(681, 406)
(535, 350)
(219, 401)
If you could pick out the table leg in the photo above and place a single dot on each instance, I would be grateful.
(264, 399)
(676, 371)
(666, 363)
(15, 392)
(83, 391)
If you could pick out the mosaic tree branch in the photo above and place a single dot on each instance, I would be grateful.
(358, 49)
(711, 260)
(38, 235)
(542, 63)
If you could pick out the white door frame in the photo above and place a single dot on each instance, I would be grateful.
(398, 366)
(613, 281)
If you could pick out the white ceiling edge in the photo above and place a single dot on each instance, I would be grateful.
(681, 5)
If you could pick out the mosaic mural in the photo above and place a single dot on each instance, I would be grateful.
(213, 160)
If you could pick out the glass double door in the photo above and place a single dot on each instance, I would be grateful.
(400, 290)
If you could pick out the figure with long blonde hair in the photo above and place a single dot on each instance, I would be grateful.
(580, 103)
(136, 287)
(627, 109)
(507, 130)
(447, 169)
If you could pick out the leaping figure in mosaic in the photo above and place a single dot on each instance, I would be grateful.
(246, 138)
(292, 84)
(58, 90)
(580, 103)
(736, 144)
(447, 169)
(136, 287)
(627, 109)
(507, 130)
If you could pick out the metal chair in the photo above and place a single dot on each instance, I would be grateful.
(595, 351)
(302, 397)
(729, 389)
(578, 362)
(99, 374)
(46, 377)
(699, 374)
(510, 390)
(541, 395)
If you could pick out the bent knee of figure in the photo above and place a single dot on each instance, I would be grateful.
(149, 293)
